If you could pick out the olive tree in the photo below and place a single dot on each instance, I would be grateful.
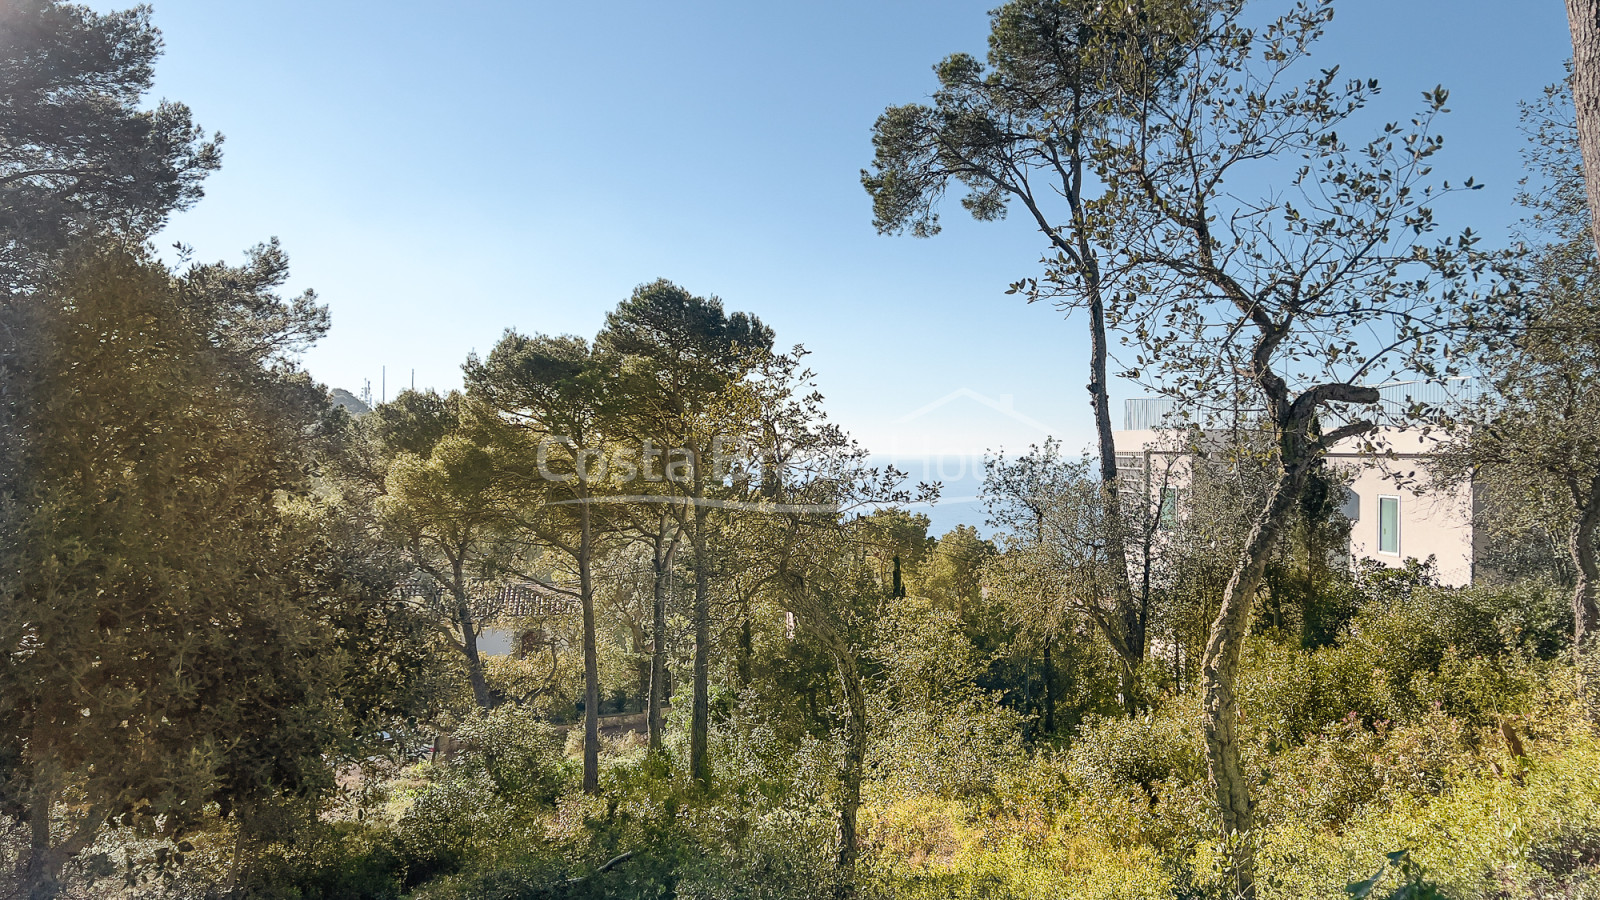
(1061, 561)
(1536, 435)
(171, 608)
(1295, 301)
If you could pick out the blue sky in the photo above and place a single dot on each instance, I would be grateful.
(440, 172)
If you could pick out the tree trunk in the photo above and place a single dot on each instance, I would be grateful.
(700, 711)
(661, 563)
(1075, 240)
(1219, 671)
(1581, 544)
(1130, 612)
(40, 877)
(1583, 17)
(1049, 690)
(854, 763)
(591, 656)
(469, 640)
(747, 650)
(42, 871)
(1100, 398)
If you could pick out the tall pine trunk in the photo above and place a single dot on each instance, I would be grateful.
(700, 711)
(1583, 16)
(1116, 532)
(591, 657)
(661, 564)
(1075, 241)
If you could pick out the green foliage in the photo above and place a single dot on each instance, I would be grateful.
(1404, 617)
(83, 152)
(414, 422)
(488, 797)
(1412, 885)
(1144, 752)
(179, 615)
(329, 861)
(1477, 654)
(520, 756)
(198, 554)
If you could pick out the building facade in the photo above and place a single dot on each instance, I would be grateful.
(1397, 511)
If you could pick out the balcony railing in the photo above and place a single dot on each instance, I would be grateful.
(1396, 401)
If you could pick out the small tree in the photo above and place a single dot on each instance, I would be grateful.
(809, 519)
(1536, 435)
(1063, 561)
(443, 504)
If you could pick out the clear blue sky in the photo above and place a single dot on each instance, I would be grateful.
(439, 172)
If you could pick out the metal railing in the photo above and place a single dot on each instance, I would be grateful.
(1396, 402)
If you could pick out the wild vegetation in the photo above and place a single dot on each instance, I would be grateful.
(630, 616)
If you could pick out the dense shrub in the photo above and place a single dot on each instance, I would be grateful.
(1144, 752)
(331, 861)
(958, 750)
(782, 854)
(1411, 627)
(1483, 835)
(1478, 654)
(490, 795)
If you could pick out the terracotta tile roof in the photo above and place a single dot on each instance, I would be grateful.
(496, 599)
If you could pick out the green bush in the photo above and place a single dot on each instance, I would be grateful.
(489, 797)
(1144, 752)
(1478, 654)
(958, 750)
(782, 854)
(1289, 695)
(330, 861)
(1412, 626)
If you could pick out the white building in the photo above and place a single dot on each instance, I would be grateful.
(1396, 511)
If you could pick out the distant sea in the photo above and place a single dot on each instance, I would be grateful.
(960, 480)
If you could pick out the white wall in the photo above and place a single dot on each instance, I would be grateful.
(494, 641)
(1435, 520)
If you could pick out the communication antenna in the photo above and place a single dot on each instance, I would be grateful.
(383, 376)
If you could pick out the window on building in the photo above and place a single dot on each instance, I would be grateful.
(1389, 525)
(1169, 509)
(1351, 506)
